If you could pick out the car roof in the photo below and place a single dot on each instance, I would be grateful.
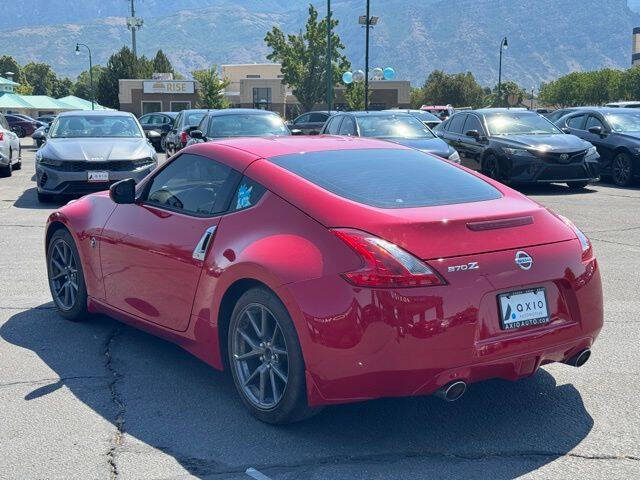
(379, 113)
(246, 111)
(96, 113)
(268, 147)
(483, 111)
(603, 110)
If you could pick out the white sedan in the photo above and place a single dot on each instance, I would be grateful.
(10, 155)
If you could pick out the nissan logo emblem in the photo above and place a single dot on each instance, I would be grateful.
(524, 260)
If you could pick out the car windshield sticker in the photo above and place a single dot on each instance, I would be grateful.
(244, 196)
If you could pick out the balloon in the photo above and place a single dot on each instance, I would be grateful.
(358, 76)
(377, 73)
(347, 78)
(389, 73)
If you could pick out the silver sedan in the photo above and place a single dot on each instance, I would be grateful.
(86, 152)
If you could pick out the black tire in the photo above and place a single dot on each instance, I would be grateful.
(292, 405)
(76, 310)
(491, 167)
(7, 170)
(577, 185)
(622, 170)
(46, 198)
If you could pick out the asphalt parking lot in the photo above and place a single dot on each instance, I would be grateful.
(102, 400)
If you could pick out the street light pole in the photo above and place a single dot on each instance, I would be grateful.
(329, 63)
(78, 45)
(503, 46)
(366, 62)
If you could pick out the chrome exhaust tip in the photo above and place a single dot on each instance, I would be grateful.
(451, 391)
(580, 358)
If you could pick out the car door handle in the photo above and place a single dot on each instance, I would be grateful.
(201, 249)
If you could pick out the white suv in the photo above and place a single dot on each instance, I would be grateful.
(10, 154)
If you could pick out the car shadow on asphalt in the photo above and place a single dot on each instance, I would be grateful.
(29, 199)
(172, 402)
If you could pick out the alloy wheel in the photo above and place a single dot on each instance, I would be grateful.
(622, 169)
(260, 356)
(63, 272)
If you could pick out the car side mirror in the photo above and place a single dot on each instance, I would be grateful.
(151, 134)
(124, 191)
(596, 130)
(296, 131)
(566, 130)
(197, 134)
(473, 133)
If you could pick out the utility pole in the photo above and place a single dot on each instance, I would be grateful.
(366, 62)
(134, 24)
(329, 60)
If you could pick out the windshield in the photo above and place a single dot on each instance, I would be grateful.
(624, 121)
(425, 116)
(102, 126)
(193, 119)
(520, 124)
(246, 125)
(393, 126)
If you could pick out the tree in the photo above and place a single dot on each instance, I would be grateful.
(144, 67)
(161, 63)
(41, 77)
(82, 87)
(458, 89)
(304, 58)
(9, 64)
(62, 87)
(509, 89)
(121, 64)
(212, 88)
(23, 89)
(354, 96)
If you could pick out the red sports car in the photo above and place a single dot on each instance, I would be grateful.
(324, 270)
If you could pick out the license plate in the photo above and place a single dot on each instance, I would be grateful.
(523, 308)
(95, 176)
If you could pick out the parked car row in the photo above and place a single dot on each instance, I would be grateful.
(10, 153)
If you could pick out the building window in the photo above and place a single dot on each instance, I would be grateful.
(151, 107)
(262, 98)
(179, 106)
(253, 76)
(280, 76)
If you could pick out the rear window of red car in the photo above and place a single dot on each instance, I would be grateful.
(388, 178)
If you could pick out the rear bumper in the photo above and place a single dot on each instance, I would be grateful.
(368, 343)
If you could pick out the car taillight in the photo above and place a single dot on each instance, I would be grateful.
(184, 138)
(385, 264)
(585, 243)
(1, 136)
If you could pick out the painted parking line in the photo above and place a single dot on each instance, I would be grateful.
(252, 472)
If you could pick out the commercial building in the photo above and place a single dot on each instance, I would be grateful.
(158, 94)
(635, 47)
(260, 85)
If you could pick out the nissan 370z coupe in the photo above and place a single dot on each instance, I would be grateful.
(324, 270)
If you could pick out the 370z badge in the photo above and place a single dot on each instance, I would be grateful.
(465, 267)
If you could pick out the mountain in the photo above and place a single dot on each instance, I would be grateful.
(547, 38)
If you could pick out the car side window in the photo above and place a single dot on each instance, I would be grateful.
(473, 123)
(248, 193)
(178, 121)
(145, 120)
(334, 125)
(576, 122)
(594, 122)
(348, 126)
(302, 118)
(194, 185)
(457, 123)
(318, 117)
(3, 122)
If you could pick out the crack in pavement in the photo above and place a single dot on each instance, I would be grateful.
(615, 243)
(202, 467)
(20, 225)
(116, 399)
(28, 308)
